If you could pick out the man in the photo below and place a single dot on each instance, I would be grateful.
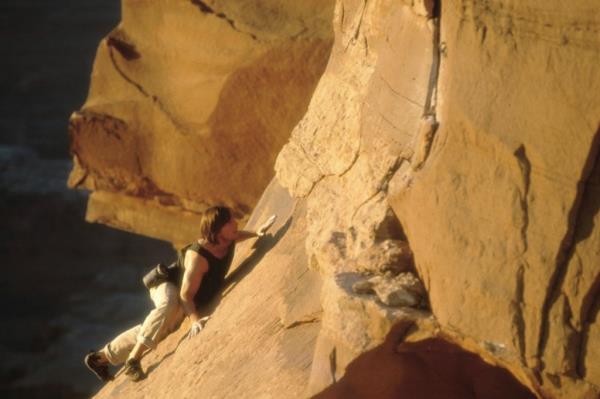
(202, 274)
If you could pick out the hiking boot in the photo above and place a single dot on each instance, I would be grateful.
(133, 370)
(92, 361)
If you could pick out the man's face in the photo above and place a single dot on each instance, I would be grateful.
(229, 230)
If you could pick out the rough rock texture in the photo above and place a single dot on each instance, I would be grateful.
(456, 141)
(499, 217)
(481, 130)
(189, 104)
(358, 131)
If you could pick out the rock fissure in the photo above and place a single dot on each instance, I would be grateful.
(356, 156)
(308, 320)
(431, 98)
(126, 49)
(333, 364)
(590, 304)
(583, 336)
(342, 14)
(206, 9)
(140, 88)
(567, 246)
(382, 186)
(519, 318)
(356, 33)
(362, 15)
(410, 100)
(132, 82)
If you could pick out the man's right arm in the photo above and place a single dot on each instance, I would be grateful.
(195, 268)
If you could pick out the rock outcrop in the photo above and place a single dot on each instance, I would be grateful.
(480, 129)
(444, 174)
(500, 214)
(189, 104)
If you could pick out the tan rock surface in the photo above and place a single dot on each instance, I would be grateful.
(470, 142)
(493, 217)
(260, 339)
(190, 102)
(358, 130)
(486, 165)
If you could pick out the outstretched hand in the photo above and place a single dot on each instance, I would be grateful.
(262, 230)
(197, 326)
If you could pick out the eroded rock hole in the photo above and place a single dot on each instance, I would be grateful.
(389, 268)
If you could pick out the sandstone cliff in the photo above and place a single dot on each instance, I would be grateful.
(189, 104)
(445, 172)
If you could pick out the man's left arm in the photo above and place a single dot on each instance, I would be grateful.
(244, 235)
(261, 231)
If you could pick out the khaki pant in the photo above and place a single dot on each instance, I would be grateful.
(165, 318)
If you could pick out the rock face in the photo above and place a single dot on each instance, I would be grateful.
(500, 215)
(480, 130)
(449, 147)
(189, 104)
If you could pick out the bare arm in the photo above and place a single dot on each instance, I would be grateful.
(195, 268)
(244, 235)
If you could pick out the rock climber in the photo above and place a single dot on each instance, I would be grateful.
(193, 281)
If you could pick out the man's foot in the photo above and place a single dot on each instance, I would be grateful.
(92, 361)
(133, 370)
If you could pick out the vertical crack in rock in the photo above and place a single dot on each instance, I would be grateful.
(206, 9)
(525, 166)
(111, 44)
(567, 246)
(430, 103)
(519, 319)
(362, 16)
(399, 94)
(132, 82)
(381, 187)
(342, 15)
(127, 50)
(357, 30)
(332, 364)
(590, 304)
(590, 314)
(356, 155)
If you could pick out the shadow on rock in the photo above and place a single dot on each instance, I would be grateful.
(261, 247)
(428, 369)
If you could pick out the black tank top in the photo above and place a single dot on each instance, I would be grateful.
(213, 279)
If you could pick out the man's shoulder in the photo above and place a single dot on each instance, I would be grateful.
(194, 251)
(195, 247)
(195, 261)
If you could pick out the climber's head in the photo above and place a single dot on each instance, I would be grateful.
(218, 222)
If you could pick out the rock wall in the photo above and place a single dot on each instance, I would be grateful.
(189, 104)
(500, 215)
(479, 128)
(444, 174)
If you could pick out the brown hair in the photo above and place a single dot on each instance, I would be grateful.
(213, 219)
